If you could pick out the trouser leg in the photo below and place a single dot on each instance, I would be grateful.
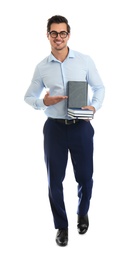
(81, 149)
(56, 155)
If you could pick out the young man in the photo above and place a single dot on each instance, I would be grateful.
(61, 134)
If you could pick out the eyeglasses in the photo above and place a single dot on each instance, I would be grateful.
(62, 34)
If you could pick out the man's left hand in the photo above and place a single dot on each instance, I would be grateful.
(90, 108)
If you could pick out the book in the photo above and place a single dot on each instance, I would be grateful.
(77, 92)
(81, 117)
(81, 113)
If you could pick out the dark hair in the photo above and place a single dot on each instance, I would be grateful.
(57, 19)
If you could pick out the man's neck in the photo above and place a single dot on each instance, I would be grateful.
(60, 54)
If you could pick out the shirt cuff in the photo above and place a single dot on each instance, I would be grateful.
(40, 104)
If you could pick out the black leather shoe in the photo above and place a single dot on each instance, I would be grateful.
(82, 224)
(62, 237)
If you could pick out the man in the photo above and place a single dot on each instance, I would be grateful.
(61, 133)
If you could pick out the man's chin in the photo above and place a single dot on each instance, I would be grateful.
(59, 48)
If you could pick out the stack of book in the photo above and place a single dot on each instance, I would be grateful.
(80, 113)
(77, 92)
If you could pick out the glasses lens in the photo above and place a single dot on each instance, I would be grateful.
(63, 34)
(53, 34)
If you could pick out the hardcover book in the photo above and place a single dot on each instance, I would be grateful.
(82, 117)
(80, 113)
(77, 92)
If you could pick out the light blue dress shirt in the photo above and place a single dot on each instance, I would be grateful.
(53, 74)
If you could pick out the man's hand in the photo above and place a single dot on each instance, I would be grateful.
(52, 100)
(90, 108)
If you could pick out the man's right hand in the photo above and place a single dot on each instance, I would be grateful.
(52, 100)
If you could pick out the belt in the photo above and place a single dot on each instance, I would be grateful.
(65, 121)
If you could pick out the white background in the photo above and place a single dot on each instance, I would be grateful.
(100, 29)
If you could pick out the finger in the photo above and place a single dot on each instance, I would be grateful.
(86, 107)
(63, 97)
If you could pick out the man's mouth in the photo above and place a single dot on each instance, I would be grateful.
(58, 42)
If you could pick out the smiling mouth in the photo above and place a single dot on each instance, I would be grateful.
(58, 42)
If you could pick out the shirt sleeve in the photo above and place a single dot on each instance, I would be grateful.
(96, 85)
(32, 95)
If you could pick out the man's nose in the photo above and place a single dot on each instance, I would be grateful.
(58, 36)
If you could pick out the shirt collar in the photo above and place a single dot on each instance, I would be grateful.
(70, 55)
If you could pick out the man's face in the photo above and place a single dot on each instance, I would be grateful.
(58, 43)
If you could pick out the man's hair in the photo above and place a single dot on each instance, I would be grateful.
(57, 19)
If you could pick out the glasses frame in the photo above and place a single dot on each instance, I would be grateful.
(59, 34)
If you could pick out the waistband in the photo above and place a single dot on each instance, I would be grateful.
(65, 121)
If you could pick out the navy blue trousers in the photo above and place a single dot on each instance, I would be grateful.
(59, 139)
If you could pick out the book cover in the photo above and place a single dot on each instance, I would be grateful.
(77, 92)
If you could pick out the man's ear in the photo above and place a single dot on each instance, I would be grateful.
(69, 36)
(47, 34)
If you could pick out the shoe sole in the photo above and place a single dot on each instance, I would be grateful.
(62, 245)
